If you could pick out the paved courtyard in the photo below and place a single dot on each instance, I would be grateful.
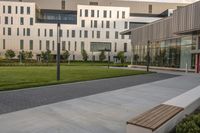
(99, 113)
(28, 98)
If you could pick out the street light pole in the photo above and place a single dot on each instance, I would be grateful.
(148, 55)
(58, 52)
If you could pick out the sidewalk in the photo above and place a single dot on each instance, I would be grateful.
(101, 113)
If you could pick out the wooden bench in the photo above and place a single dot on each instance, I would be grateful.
(153, 119)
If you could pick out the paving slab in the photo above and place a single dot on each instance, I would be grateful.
(100, 113)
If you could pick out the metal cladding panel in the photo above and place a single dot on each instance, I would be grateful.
(185, 19)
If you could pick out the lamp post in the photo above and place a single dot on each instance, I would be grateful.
(148, 55)
(58, 52)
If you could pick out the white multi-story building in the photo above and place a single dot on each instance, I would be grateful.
(25, 27)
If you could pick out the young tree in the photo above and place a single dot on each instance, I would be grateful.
(46, 56)
(102, 56)
(84, 55)
(22, 56)
(121, 57)
(9, 54)
(29, 55)
(66, 55)
(135, 58)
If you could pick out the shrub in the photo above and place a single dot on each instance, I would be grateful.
(9, 54)
(84, 55)
(102, 56)
(190, 124)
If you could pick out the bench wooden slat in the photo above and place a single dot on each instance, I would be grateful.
(155, 117)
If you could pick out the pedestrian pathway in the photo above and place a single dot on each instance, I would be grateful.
(99, 113)
(28, 98)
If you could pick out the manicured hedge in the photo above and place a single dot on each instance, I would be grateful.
(190, 124)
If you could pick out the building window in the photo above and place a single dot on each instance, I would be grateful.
(93, 3)
(51, 33)
(116, 35)
(105, 14)
(9, 9)
(97, 13)
(80, 12)
(63, 5)
(150, 8)
(47, 45)
(92, 34)
(69, 46)
(125, 25)
(21, 44)
(122, 36)
(86, 34)
(102, 24)
(53, 45)
(86, 13)
(123, 14)
(28, 10)
(31, 21)
(91, 24)
(115, 50)
(45, 32)
(28, 32)
(117, 14)
(107, 34)
(4, 9)
(21, 21)
(95, 24)
(114, 25)
(107, 24)
(61, 33)
(4, 44)
(4, 31)
(110, 14)
(38, 32)
(82, 46)
(9, 31)
(80, 34)
(75, 46)
(82, 23)
(40, 45)
(21, 10)
(17, 31)
(92, 13)
(16, 10)
(98, 34)
(125, 47)
(11, 20)
(6, 20)
(24, 32)
(73, 33)
(31, 45)
(67, 33)
(63, 45)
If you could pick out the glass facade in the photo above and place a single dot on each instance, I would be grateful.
(174, 53)
(55, 16)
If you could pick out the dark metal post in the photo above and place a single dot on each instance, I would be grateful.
(148, 55)
(58, 52)
(108, 59)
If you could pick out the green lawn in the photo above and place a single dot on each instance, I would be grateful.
(24, 77)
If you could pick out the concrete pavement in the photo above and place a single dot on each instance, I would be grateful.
(23, 99)
(100, 113)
